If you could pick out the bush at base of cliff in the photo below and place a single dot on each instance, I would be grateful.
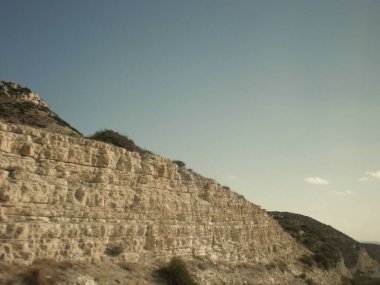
(176, 273)
(43, 272)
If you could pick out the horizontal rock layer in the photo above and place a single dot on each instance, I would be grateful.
(72, 198)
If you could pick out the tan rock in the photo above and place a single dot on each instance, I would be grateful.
(68, 198)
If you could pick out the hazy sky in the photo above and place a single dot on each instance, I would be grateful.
(280, 100)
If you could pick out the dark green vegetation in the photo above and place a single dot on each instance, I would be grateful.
(176, 273)
(373, 250)
(24, 112)
(179, 163)
(327, 243)
(361, 279)
(116, 139)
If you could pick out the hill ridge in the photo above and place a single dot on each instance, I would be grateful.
(20, 105)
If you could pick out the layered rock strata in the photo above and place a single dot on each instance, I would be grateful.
(76, 199)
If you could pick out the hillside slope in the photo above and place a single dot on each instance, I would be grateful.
(327, 243)
(373, 250)
(20, 105)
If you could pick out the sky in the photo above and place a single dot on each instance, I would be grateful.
(279, 100)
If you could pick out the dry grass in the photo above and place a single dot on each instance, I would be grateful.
(50, 272)
(41, 272)
(128, 266)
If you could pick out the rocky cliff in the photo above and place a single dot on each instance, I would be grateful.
(73, 198)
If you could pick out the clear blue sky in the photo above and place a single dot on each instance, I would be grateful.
(259, 95)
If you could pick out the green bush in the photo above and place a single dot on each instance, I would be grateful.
(177, 273)
(179, 163)
(116, 139)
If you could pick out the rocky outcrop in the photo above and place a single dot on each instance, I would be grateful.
(20, 105)
(76, 199)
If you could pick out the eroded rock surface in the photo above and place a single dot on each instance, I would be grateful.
(76, 199)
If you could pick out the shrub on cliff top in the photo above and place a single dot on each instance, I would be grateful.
(179, 163)
(113, 137)
(177, 273)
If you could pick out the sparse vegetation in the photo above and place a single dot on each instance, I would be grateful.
(25, 90)
(176, 273)
(307, 260)
(42, 272)
(241, 196)
(360, 279)
(309, 281)
(270, 266)
(128, 266)
(25, 112)
(326, 256)
(373, 250)
(327, 244)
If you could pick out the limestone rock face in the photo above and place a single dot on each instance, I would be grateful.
(71, 198)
